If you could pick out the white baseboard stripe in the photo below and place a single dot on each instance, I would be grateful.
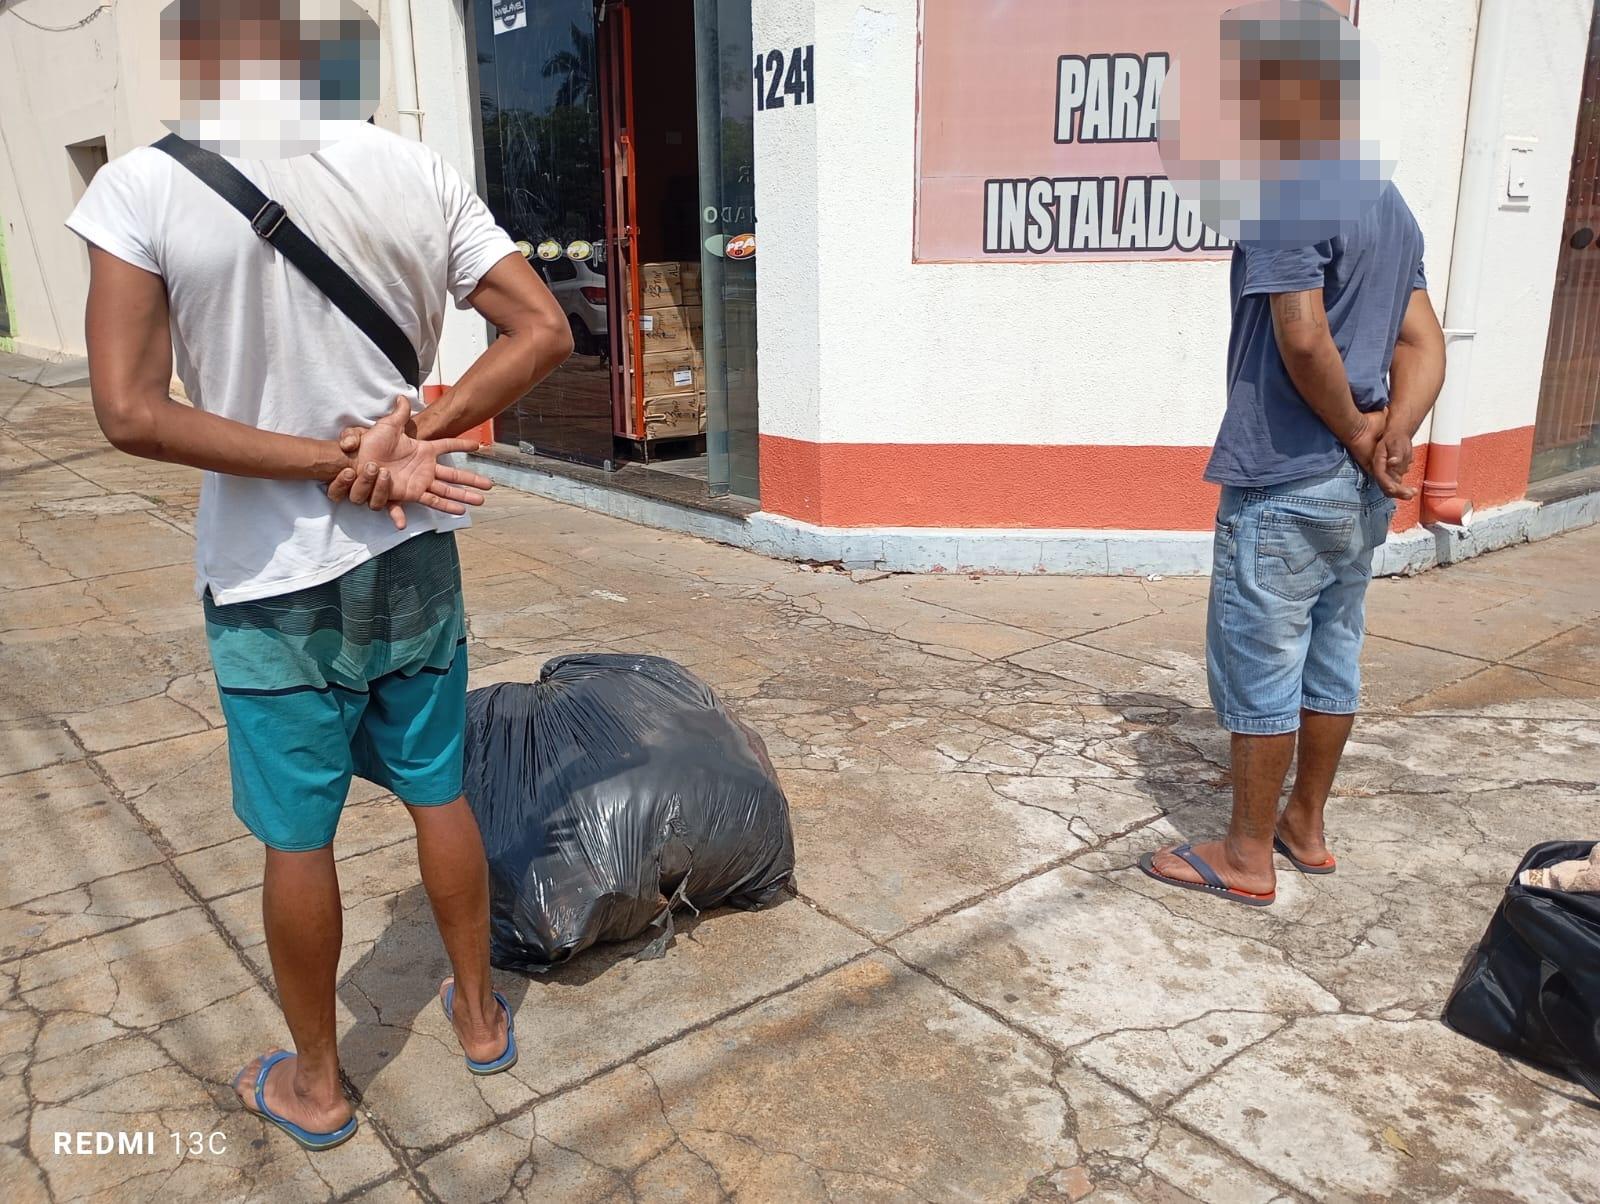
(1060, 552)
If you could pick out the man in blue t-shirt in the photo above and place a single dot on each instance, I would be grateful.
(1335, 359)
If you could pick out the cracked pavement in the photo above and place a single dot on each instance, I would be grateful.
(973, 994)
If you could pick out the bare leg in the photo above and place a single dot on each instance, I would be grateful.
(1322, 740)
(1244, 858)
(305, 927)
(455, 874)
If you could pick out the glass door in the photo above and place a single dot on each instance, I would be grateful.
(723, 58)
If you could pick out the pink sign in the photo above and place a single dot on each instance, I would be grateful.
(1037, 131)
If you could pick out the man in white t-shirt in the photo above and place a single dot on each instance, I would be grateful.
(327, 571)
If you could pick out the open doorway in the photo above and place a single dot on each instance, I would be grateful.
(653, 165)
(614, 143)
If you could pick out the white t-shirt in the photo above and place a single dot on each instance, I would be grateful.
(255, 341)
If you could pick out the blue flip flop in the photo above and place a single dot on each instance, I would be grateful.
(506, 1060)
(308, 1139)
(1211, 884)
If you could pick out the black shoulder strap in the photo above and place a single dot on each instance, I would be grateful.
(268, 219)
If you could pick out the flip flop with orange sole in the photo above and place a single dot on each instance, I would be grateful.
(1305, 867)
(1212, 883)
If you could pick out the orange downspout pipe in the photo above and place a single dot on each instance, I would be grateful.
(1441, 483)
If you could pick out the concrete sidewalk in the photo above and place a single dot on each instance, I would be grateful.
(974, 997)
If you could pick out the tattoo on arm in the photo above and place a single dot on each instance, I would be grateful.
(1294, 310)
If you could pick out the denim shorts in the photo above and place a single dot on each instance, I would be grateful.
(1287, 614)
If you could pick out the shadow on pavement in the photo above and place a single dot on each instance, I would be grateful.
(397, 979)
(1180, 756)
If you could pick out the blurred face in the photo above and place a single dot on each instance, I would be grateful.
(1279, 159)
(269, 78)
(215, 44)
(1292, 107)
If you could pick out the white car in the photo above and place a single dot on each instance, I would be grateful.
(580, 287)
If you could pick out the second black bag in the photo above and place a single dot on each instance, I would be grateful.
(610, 790)
(1532, 987)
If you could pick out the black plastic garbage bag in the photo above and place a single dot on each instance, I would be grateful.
(610, 790)
(1532, 987)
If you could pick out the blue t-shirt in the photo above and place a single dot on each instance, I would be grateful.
(1269, 434)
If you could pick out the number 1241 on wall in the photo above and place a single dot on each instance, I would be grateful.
(774, 83)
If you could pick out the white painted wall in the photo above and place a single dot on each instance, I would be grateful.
(1542, 95)
(103, 79)
(444, 94)
(788, 262)
(1094, 353)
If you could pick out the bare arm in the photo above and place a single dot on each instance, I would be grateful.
(1416, 375)
(534, 340)
(130, 370)
(1300, 325)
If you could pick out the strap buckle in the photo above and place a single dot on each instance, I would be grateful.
(266, 222)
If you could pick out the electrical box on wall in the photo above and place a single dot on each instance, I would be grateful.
(1516, 172)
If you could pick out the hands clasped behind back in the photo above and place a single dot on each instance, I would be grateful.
(390, 466)
(1384, 452)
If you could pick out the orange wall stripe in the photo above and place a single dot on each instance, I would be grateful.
(986, 485)
(957, 485)
(1494, 468)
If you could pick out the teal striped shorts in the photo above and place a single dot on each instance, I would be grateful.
(364, 676)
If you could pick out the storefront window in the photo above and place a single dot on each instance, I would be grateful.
(539, 103)
(625, 132)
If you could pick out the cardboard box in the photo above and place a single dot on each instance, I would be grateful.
(676, 328)
(663, 285)
(669, 372)
(680, 416)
